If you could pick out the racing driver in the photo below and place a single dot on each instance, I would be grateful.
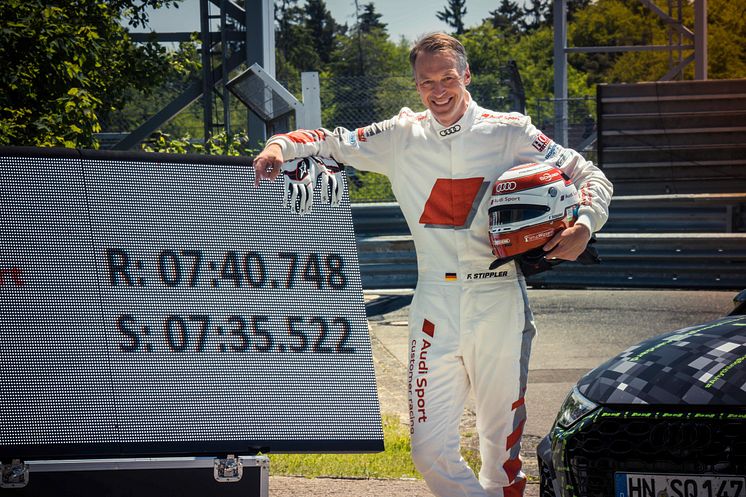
(470, 328)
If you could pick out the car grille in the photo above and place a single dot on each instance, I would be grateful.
(608, 445)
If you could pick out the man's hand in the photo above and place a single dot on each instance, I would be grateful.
(568, 244)
(267, 164)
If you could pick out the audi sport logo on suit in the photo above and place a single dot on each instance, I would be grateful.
(418, 365)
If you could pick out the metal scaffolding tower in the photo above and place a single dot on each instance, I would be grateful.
(245, 36)
(697, 40)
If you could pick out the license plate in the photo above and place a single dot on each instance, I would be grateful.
(650, 485)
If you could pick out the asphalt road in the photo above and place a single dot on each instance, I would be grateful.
(580, 329)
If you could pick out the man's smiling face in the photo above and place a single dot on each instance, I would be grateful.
(441, 86)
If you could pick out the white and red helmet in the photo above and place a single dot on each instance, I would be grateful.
(529, 204)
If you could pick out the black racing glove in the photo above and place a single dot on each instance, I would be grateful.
(535, 261)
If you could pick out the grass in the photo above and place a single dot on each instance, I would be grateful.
(394, 462)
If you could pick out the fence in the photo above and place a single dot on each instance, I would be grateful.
(581, 121)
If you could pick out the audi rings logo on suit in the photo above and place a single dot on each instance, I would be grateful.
(450, 131)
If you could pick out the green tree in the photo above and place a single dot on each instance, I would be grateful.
(218, 144)
(536, 13)
(507, 17)
(294, 46)
(65, 63)
(534, 56)
(627, 22)
(726, 39)
(488, 47)
(323, 29)
(367, 50)
(609, 23)
(489, 52)
(453, 15)
(140, 104)
(726, 36)
(370, 20)
(361, 62)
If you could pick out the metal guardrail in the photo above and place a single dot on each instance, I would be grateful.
(667, 260)
(682, 213)
(633, 255)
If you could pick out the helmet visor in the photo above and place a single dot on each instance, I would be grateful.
(509, 214)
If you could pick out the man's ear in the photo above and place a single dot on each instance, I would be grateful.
(467, 76)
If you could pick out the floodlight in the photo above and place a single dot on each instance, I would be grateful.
(261, 93)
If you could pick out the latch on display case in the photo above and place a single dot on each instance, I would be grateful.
(228, 469)
(14, 475)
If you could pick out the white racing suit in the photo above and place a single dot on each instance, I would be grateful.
(469, 327)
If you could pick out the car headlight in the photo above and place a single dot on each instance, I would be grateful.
(573, 408)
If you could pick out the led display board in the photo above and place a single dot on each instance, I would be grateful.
(158, 304)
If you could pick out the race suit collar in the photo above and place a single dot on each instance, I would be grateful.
(454, 129)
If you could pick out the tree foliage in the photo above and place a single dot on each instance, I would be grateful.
(609, 23)
(220, 143)
(628, 22)
(323, 29)
(361, 63)
(294, 47)
(370, 20)
(507, 17)
(141, 103)
(66, 63)
(69, 64)
(453, 15)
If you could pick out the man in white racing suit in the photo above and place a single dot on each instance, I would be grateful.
(469, 327)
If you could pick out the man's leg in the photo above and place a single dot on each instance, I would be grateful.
(497, 362)
(438, 386)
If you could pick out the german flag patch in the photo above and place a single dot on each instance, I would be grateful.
(451, 277)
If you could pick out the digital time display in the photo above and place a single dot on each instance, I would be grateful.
(163, 305)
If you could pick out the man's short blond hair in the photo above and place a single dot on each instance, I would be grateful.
(439, 42)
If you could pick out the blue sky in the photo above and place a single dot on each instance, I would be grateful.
(409, 18)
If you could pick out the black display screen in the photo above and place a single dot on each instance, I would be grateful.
(163, 305)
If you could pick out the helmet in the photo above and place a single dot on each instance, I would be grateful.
(529, 204)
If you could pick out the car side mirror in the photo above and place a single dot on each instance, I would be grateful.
(739, 304)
